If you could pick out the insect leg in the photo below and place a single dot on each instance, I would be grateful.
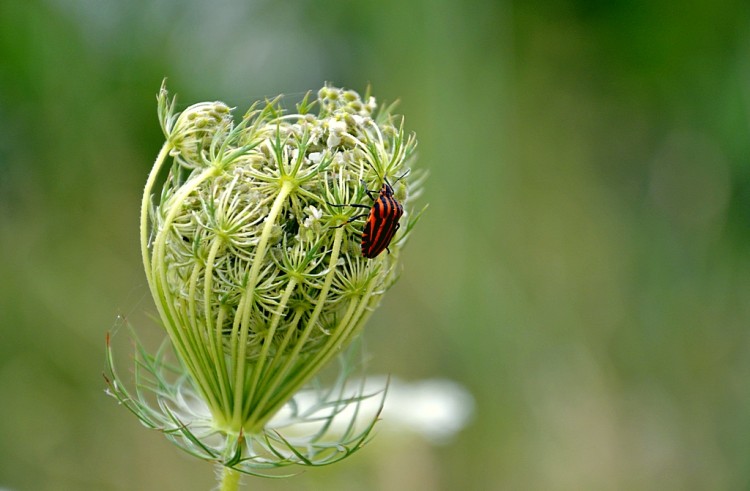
(369, 192)
(353, 218)
(347, 204)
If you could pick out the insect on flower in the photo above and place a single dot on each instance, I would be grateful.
(382, 219)
(254, 293)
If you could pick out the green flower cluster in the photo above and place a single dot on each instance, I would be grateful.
(255, 266)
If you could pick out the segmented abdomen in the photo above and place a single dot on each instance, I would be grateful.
(381, 225)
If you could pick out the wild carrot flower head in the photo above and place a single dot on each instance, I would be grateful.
(252, 254)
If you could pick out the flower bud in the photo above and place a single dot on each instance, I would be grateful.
(253, 254)
(196, 129)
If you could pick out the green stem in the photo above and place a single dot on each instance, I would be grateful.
(259, 365)
(338, 339)
(187, 350)
(244, 313)
(230, 479)
(214, 334)
(163, 153)
(155, 280)
(258, 420)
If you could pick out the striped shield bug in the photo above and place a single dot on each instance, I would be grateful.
(382, 218)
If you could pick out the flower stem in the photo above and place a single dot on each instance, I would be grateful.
(230, 479)
(244, 313)
(163, 153)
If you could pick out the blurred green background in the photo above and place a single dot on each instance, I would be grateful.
(583, 269)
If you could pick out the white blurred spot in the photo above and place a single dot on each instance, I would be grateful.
(437, 409)
(434, 409)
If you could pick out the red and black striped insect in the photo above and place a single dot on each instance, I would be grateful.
(382, 219)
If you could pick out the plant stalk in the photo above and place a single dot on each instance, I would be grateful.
(230, 479)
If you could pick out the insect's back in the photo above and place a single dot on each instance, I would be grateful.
(382, 223)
